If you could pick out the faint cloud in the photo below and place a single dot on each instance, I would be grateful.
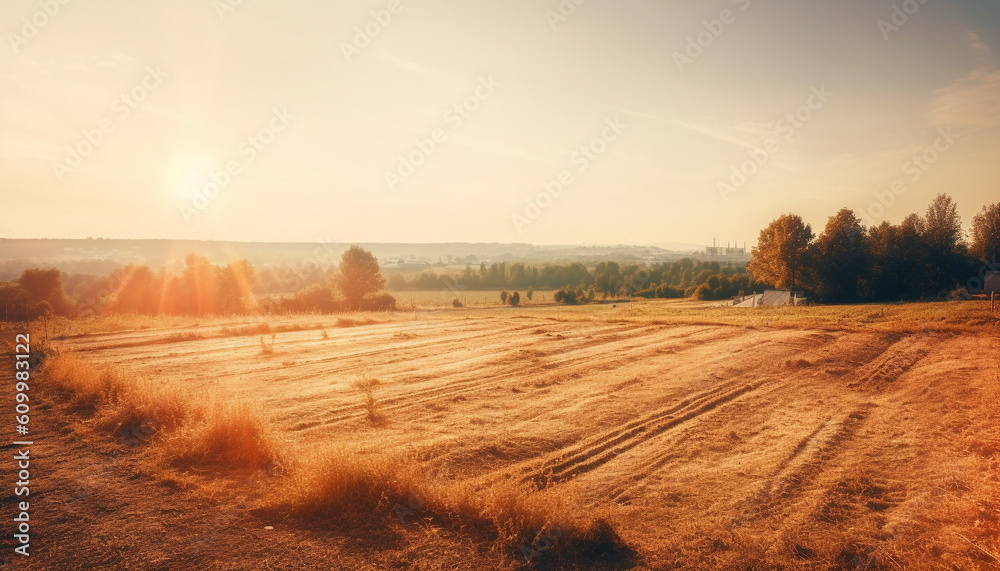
(973, 101)
(748, 135)
(399, 62)
(745, 134)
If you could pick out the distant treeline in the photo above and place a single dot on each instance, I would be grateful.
(683, 278)
(922, 256)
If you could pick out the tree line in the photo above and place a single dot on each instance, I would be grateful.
(683, 278)
(202, 288)
(922, 256)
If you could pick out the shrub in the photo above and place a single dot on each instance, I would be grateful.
(704, 292)
(514, 299)
(367, 388)
(230, 434)
(379, 302)
(265, 347)
(456, 303)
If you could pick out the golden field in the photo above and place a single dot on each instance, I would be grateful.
(648, 435)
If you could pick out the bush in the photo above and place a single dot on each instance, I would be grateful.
(576, 296)
(456, 303)
(704, 292)
(514, 299)
(379, 302)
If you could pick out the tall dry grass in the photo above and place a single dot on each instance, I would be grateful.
(188, 431)
(347, 488)
(340, 487)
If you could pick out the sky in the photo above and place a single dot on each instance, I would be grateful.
(548, 122)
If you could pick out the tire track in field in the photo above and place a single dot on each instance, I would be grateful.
(454, 388)
(625, 491)
(898, 358)
(791, 478)
(274, 365)
(217, 343)
(604, 448)
(572, 357)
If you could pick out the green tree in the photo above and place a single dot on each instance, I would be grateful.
(199, 285)
(138, 292)
(39, 285)
(986, 234)
(781, 251)
(840, 258)
(359, 276)
(898, 259)
(946, 247)
(607, 278)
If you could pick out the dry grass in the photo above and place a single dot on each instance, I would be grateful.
(917, 484)
(348, 488)
(267, 348)
(231, 435)
(347, 322)
(345, 488)
(187, 433)
(86, 388)
(367, 386)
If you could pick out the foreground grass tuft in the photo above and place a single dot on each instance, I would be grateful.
(189, 433)
(345, 488)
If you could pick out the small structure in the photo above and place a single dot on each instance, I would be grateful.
(771, 297)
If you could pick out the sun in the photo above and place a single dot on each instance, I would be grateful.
(188, 171)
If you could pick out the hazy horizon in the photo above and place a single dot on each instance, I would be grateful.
(312, 114)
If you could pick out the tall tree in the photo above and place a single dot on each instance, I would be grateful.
(986, 234)
(359, 276)
(781, 251)
(39, 285)
(899, 260)
(840, 259)
(235, 285)
(946, 247)
(607, 279)
(200, 285)
(138, 292)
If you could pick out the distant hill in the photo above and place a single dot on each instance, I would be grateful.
(100, 256)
